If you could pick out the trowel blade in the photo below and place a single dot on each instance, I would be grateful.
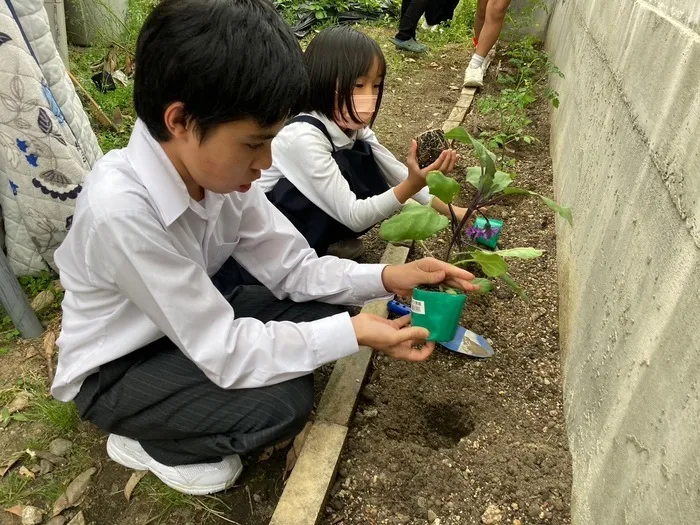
(468, 343)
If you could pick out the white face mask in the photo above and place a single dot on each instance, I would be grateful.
(364, 107)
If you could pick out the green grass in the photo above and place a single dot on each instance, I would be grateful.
(7, 395)
(47, 419)
(460, 30)
(82, 60)
(61, 417)
(165, 499)
(44, 490)
(33, 284)
(13, 489)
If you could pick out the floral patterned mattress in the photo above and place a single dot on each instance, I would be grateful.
(46, 143)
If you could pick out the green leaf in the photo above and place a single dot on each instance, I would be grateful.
(506, 278)
(414, 223)
(485, 286)
(473, 176)
(488, 162)
(516, 191)
(443, 187)
(501, 180)
(459, 134)
(561, 210)
(521, 253)
(486, 158)
(492, 264)
(20, 417)
(5, 416)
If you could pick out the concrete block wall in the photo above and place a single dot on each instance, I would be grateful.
(626, 152)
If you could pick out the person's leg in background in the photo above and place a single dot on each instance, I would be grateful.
(488, 23)
(479, 19)
(405, 39)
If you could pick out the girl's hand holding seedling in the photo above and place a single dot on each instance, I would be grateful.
(416, 176)
(402, 279)
(445, 163)
(394, 338)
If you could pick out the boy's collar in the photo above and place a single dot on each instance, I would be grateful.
(157, 173)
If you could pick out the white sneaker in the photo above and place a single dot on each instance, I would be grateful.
(474, 77)
(199, 479)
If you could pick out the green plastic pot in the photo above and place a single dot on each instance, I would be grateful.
(439, 312)
(496, 228)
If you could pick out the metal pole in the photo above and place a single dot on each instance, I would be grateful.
(15, 302)
(56, 13)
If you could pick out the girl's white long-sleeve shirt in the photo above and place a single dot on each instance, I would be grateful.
(302, 154)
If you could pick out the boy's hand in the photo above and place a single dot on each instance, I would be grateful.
(393, 338)
(403, 278)
(445, 163)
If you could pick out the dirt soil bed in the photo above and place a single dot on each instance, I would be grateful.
(418, 96)
(440, 440)
(443, 441)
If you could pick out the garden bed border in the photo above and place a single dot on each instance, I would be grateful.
(304, 496)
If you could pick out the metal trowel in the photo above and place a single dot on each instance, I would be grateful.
(465, 341)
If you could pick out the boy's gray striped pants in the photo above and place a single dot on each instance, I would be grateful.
(159, 397)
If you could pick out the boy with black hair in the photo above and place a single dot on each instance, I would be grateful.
(183, 375)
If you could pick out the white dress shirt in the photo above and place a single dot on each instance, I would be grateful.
(137, 262)
(302, 154)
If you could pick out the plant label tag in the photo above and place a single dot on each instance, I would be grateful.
(417, 307)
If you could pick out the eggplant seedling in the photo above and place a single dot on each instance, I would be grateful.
(439, 311)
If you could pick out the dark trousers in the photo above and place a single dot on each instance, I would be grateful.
(440, 11)
(411, 11)
(159, 397)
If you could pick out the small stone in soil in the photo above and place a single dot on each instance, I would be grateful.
(336, 504)
(420, 501)
(431, 516)
(60, 447)
(32, 515)
(533, 511)
(257, 498)
(368, 395)
(336, 487)
(45, 467)
(492, 515)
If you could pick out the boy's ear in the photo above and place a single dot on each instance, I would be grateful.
(176, 120)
